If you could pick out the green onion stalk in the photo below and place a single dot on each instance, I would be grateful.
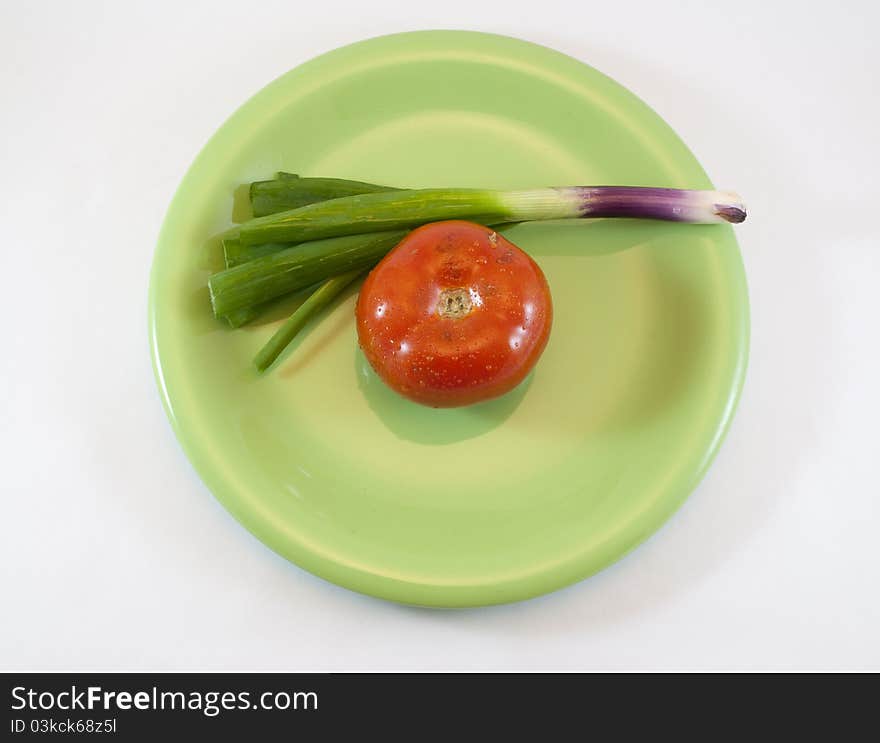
(286, 191)
(319, 299)
(290, 191)
(396, 210)
(234, 253)
(285, 271)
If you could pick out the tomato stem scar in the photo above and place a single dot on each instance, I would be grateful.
(454, 303)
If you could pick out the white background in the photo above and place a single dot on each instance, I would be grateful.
(115, 556)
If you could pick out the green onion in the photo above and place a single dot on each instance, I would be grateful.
(290, 191)
(374, 212)
(320, 298)
(294, 268)
(235, 253)
(295, 191)
(237, 318)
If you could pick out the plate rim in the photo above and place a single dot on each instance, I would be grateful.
(364, 581)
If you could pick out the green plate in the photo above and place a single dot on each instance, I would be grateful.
(507, 499)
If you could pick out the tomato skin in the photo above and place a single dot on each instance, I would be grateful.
(455, 314)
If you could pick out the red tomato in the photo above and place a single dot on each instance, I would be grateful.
(453, 315)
